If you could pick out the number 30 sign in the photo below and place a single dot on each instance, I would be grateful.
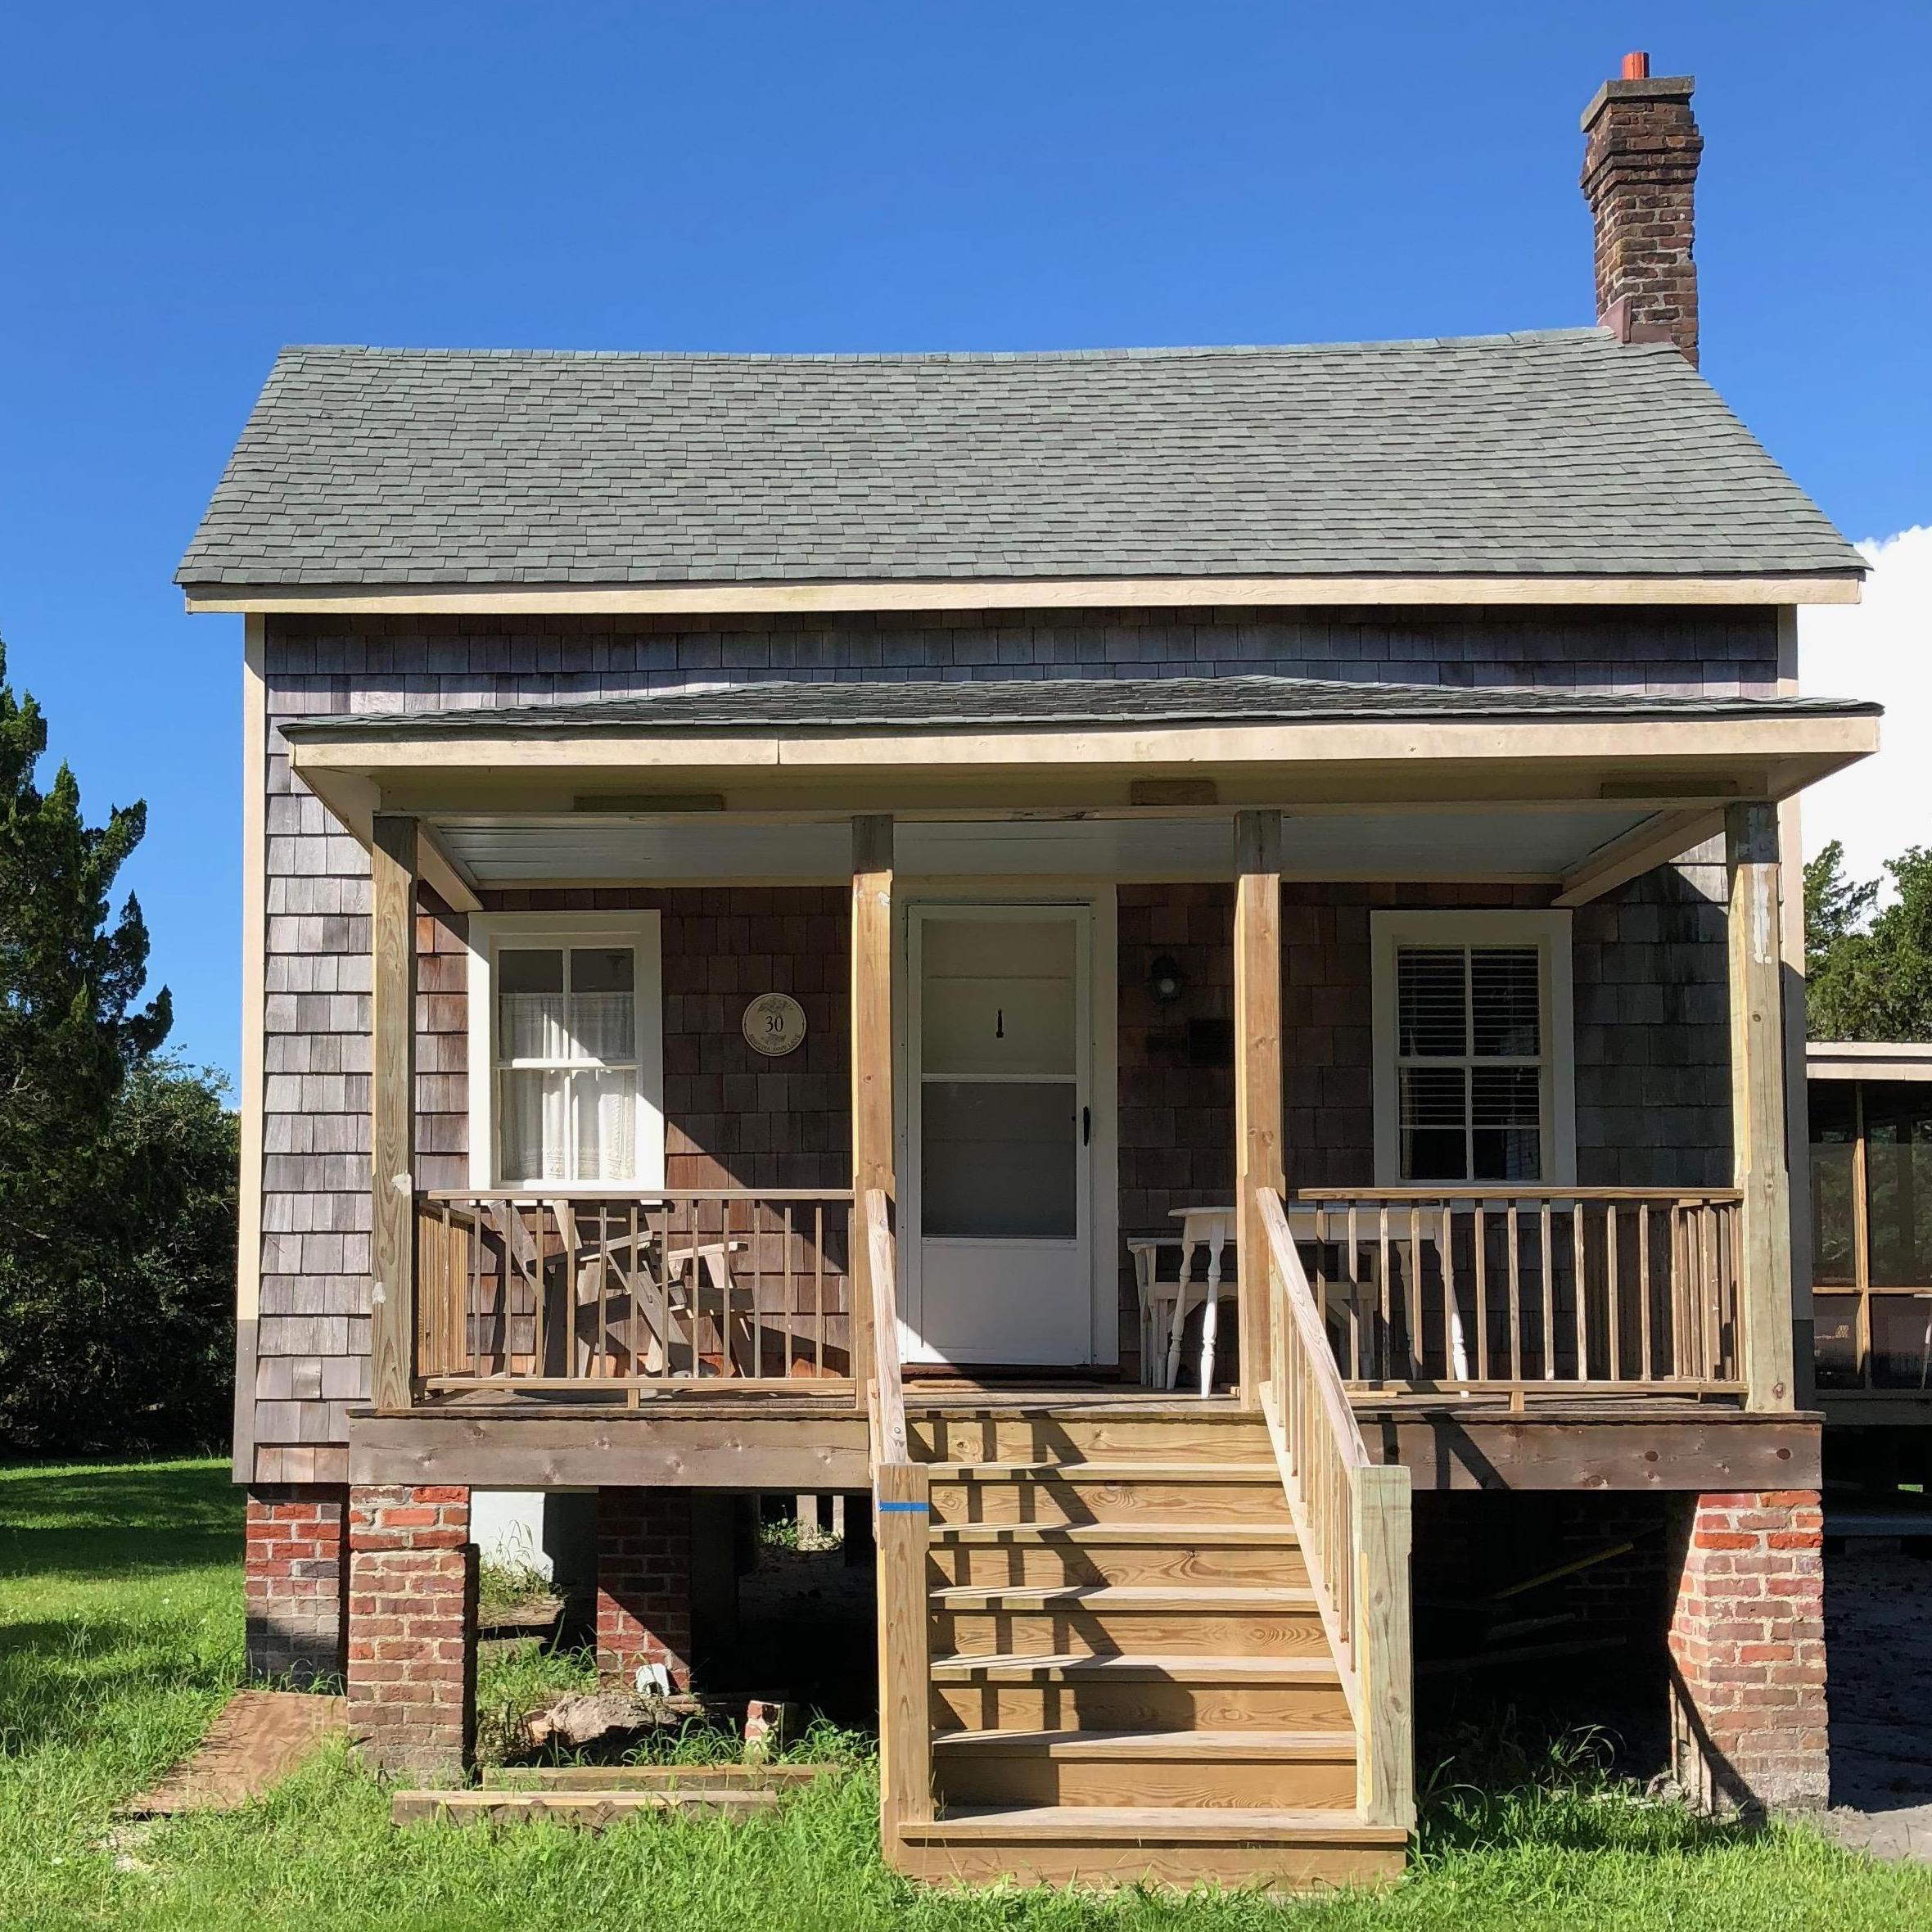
(775, 1023)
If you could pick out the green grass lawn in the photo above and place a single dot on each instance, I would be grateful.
(120, 1632)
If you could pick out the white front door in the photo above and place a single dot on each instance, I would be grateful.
(997, 1186)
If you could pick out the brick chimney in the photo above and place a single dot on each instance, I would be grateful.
(1640, 150)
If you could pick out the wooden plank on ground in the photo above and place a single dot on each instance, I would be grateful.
(588, 1810)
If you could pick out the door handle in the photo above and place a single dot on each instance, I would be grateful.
(1087, 1125)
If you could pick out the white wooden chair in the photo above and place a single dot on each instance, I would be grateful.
(1156, 1300)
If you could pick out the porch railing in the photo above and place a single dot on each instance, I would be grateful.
(1529, 1289)
(1352, 1518)
(583, 1288)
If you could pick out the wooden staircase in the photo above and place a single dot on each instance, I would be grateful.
(1128, 1672)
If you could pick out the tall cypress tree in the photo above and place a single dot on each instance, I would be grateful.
(69, 974)
(72, 1032)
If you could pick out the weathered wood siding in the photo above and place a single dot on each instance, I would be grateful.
(1652, 1086)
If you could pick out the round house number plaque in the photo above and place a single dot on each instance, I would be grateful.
(775, 1023)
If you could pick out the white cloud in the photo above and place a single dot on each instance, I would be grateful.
(1882, 648)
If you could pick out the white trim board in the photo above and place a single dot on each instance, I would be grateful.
(983, 593)
(1868, 1059)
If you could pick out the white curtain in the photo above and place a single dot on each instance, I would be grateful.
(606, 1128)
(530, 1027)
(534, 1133)
(605, 1025)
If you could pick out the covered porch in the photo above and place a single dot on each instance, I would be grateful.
(1073, 966)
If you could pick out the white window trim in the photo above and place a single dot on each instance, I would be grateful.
(1549, 932)
(489, 932)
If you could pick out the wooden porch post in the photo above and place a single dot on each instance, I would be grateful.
(1757, 1105)
(392, 1105)
(1258, 1070)
(871, 1051)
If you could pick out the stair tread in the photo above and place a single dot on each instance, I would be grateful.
(1123, 1596)
(1112, 1470)
(1301, 1745)
(1140, 1824)
(1019, 1667)
(1262, 1535)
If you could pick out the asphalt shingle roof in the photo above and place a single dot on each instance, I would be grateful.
(1023, 702)
(1562, 452)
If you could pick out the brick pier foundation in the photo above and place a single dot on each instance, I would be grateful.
(292, 1582)
(643, 1583)
(411, 1627)
(1747, 1649)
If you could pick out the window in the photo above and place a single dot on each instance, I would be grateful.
(1871, 1233)
(566, 1054)
(1474, 1078)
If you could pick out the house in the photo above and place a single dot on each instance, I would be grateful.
(1870, 1217)
(778, 889)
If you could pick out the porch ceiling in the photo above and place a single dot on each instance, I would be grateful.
(1542, 845)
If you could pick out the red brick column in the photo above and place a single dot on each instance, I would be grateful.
(292, 1582)
(1747, 1649)
(412, 1627)
(643, 1583)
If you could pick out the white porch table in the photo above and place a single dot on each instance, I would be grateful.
(1212, 1228)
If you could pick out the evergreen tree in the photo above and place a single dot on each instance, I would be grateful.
(117, 1185)
(69, 1031)
(1868, 968)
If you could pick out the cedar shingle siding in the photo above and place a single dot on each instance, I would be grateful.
(1652, 1084)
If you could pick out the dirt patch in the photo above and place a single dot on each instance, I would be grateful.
(1879, 1688)
(258, 1739)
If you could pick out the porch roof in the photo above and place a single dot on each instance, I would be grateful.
(1119, 778)
(1053, 703)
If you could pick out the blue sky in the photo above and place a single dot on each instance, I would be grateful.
(184, 188)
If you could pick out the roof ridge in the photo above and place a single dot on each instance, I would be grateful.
(1142, 352)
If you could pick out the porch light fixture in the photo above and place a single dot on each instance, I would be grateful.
(1165, 980)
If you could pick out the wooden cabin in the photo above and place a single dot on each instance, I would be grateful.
(1164, 961)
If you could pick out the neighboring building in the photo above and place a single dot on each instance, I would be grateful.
(1871, 1258)
(786, 866)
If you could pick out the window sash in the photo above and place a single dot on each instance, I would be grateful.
(1509, 1141)
(590, 1155)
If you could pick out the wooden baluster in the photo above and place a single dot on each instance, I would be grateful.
(1452, 1313)
(1583, 1291)
(1385, 1295)
(539, 1355)
(1355, 1309)
(1413, 1297)
(1479, 1273)
(1514, 1343)
(819, 1288)
(1612, 1292)
(1719, 1365)
(1546, 1263)
(1645, 1366)
(755, 1214)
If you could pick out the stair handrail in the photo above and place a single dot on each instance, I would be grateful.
(1353, 1517)
(901, 1522)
